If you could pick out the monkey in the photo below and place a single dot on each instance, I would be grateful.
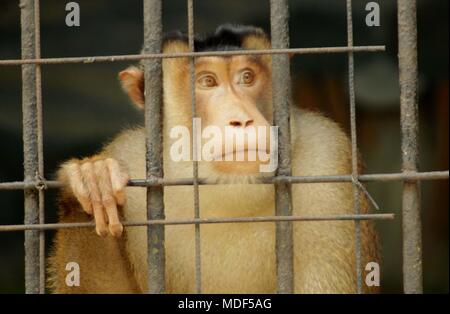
(230, 91)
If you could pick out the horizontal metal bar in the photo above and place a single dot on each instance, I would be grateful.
(55, 226)
(135, 57)
(382, 177)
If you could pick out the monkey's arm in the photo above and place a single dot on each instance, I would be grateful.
(325, 250)
(93, 187)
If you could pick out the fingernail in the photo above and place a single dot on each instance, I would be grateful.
(116, 229)
(103, 233)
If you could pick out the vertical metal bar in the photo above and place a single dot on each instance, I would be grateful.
(198, 274)
(281, 82)
(154, 158)
(30, 145)
(412, 225)
(354, 143)
(37, 21)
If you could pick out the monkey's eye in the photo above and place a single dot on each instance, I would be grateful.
(207, 81)
(247, 77)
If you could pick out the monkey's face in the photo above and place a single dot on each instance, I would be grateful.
(233, 98)
(234, 106)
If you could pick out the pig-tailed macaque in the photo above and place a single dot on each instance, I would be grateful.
(232, 92)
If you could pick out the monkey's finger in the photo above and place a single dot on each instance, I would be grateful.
(108, 200)
(87, 170)
(118, 179)
(78, 188)
(115, 227)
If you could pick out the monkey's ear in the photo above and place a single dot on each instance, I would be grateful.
(132, 80)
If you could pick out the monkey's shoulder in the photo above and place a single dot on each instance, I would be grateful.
(128, 148)
(320, 144)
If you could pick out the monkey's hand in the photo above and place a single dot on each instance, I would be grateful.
(99, 185)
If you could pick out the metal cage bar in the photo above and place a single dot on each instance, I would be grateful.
(281, 82)
(118, 58)
(409, 112)
(354, 145)
(153, 158)
(195, 183)
(37, 32)
(56, 226)
(380, 177)
(31, 101)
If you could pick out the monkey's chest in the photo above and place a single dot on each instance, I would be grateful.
(238, 258)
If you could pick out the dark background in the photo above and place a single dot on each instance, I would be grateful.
(85, 107)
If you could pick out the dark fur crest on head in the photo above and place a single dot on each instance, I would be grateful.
(226, 37)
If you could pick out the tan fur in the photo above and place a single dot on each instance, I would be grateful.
(236, 258)
(258, 42)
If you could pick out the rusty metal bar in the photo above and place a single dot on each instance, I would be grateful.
(408, 73)
(354, 144)
(381, 177)
(30, 145)
(198, 273)
(137, 57)
(55, 226)
(37, 31)
(281, 83)
(154, 158)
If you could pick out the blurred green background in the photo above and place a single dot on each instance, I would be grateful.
(85, 107)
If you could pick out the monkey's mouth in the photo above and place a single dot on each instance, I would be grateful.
(257, 155)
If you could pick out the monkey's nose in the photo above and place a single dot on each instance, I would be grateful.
(241, 123)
